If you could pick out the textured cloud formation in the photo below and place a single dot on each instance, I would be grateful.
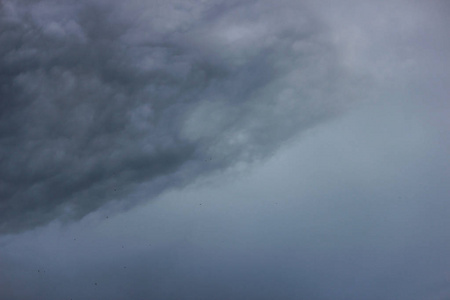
(98, 97)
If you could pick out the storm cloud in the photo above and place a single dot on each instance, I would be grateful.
(277, 150)
(99, 98)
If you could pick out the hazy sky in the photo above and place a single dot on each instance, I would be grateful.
(224, 150)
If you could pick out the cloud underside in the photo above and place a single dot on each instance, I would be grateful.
(97, 99)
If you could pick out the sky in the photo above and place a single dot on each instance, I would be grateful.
(224, 149)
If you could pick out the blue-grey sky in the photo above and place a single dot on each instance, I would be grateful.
(224, 150)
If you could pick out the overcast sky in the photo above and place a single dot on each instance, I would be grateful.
(224, 149)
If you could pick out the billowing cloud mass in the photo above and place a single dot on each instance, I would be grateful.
(101, 97)
(289, 149)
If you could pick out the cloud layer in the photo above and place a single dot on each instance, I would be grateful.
(99, 97)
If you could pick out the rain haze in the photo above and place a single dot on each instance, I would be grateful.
(224, 149)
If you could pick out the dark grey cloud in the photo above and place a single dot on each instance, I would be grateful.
(101, 97)
(167, 93)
